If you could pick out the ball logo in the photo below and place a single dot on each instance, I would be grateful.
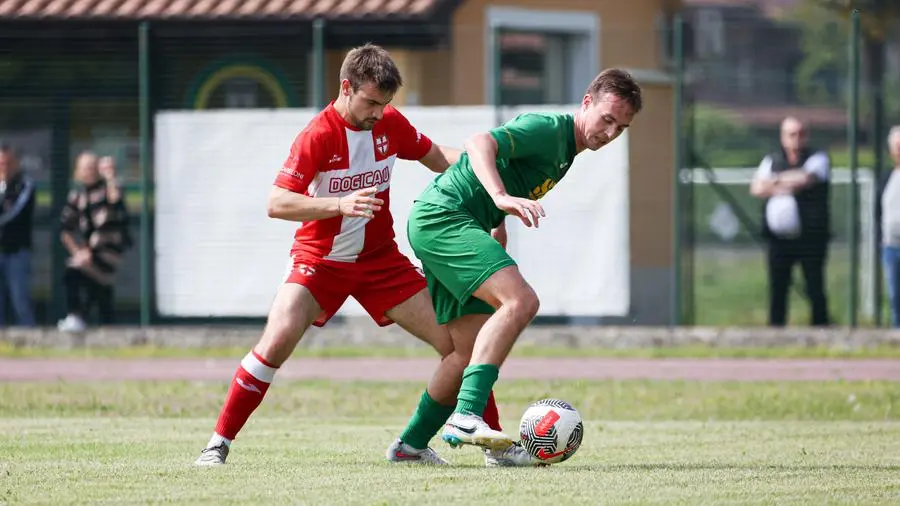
(543, 427)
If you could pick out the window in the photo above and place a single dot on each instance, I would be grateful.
(543, 57)
(532, 68)
(709, 36)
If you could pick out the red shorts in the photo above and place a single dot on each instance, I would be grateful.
(379, 283)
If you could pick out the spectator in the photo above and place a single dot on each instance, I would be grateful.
(794, 181)
(95, 232)
(890, 227)
(16, 213)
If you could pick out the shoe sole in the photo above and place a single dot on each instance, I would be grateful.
(208, 464)
(410, 462)
(482, 441)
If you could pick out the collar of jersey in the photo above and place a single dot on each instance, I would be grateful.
(340, 119)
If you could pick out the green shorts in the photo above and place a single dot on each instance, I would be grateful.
(457, 255)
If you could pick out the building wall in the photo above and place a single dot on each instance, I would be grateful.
(650, 206)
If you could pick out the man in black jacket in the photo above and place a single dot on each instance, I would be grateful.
(16, 212)
(794, 181)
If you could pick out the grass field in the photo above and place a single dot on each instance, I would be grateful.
(731, 289)
(322, 443)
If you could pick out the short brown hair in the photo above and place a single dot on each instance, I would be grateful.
(621, 84)
(372, 64)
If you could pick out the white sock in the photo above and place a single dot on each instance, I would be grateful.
(216, 440)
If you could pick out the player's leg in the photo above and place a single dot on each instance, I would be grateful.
(459, 254)
(516, 304)
(395, 291)
(464, 330)
(302, 300)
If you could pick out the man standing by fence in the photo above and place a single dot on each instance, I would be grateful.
(794, 183)
(16, 212)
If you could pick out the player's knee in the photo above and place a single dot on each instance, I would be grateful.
(457, 360)
(444, 347)
(525, 304)
(278, 341)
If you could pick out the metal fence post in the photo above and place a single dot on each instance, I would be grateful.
(319, 63)
(853, 136)
(146, 251)
(678, 113)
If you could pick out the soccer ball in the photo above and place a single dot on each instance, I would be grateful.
(551, 430)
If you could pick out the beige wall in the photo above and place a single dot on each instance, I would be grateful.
(650, 179)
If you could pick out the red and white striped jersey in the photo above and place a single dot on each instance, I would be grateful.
(331, 158)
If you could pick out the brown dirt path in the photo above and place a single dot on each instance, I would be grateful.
(421, 369)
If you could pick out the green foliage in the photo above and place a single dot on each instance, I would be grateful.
(824, 38)
(822, 77)
(721, 139)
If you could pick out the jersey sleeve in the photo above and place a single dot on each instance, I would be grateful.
(302, 164)
(411, 144)
(526, 135)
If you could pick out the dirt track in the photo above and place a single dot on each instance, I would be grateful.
(421, 369)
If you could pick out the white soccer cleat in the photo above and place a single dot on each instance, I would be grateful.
(72, 323)
(512, 456)
(213, 456)
(463, 429)
(401, 453)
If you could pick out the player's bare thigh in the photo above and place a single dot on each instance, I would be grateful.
(293, 311)
(416, 316)
(507, 287)
(464, 330)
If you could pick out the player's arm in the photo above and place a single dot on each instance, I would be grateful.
(482, 150)
(287, 205)
(414, 145)
(499, 234)
(288, 199)
(440, 158)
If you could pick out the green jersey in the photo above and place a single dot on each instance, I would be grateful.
(534, 151)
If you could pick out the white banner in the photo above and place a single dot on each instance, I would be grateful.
(218, 254)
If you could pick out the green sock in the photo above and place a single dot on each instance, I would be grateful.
(478, 381)
(425, 422)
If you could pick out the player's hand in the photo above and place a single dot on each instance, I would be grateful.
(499, 234)
(360, 204)
(529, 211)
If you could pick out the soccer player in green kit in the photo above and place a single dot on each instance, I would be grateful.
(476, 287)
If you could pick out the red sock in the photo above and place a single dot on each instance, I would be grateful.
(248, 387)
(491, 414)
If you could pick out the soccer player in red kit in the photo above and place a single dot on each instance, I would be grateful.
(336, 181)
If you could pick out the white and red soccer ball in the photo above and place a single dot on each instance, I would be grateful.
(551, 430)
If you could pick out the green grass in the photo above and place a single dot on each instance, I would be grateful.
(9, 350)
(732, 289)
(284, 460)
(322, 443)
(608, 400)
